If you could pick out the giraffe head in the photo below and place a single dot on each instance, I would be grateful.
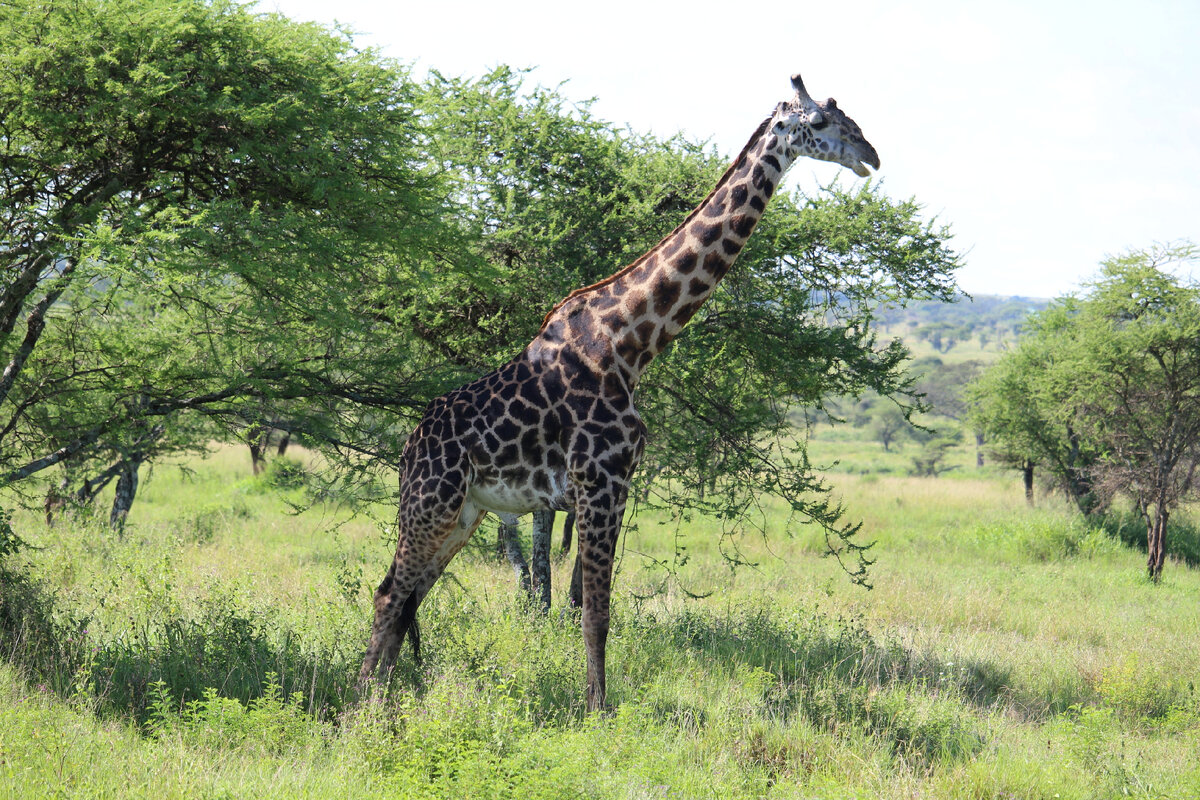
(822, 131)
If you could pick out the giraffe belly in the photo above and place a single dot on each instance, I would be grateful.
(494, 494)
(504, 500)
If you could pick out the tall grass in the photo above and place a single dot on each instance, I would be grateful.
(211, 651)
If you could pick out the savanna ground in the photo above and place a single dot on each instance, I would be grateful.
(1004, 652)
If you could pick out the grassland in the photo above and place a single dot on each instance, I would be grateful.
(1004, 652)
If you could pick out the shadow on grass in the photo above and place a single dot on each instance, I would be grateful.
(36, 636)
(834, 673)
(814, 646)
(227, 649)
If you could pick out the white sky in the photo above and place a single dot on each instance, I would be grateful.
(1047, 134)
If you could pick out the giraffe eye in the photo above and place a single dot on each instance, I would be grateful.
(817, 121)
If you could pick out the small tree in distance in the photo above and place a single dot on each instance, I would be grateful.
(885, 423)
(1104, 391)
(1137, 378)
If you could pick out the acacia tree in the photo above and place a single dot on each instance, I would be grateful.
(1027, 421)
(1116, 373)
(885, 423)
(202, 210)
(788, 330)
(1135, 377)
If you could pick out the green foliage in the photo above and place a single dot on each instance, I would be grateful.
(553, 199)
(1104, 391)
(789, 330)
(10, 542)
(269, 724)
(1020, 413)
(285, 473)
(205, 210)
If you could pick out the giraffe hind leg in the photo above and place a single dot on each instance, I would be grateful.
(468, 521)
(408, 581)
(395, 620)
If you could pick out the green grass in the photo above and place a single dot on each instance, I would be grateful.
(1005, 652)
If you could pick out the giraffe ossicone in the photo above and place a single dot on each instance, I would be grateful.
(556, 427)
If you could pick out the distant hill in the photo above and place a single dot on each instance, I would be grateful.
(977, 327)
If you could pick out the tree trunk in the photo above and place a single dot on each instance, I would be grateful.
(35, 324)
(56, 498)
(978, 449)
(1156, 544)
(12, 299)
(539, 557)
(127, 485)
(510, 536)
(257, 439)
(88, 490)
(1079, 483)
(284, 441)
(1027, 477)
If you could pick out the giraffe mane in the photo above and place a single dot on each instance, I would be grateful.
(737, 162)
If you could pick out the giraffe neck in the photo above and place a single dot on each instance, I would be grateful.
(627, 319)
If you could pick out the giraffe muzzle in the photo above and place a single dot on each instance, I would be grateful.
(861, 160)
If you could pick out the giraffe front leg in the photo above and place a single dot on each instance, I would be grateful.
(598, 523)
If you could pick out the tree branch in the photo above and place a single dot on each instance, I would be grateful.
(34, 325)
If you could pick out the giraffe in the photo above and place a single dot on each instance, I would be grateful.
(556, 427)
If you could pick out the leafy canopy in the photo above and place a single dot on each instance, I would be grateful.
(200, 207)
(1103, 391)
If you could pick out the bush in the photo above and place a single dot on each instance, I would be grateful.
(1138, 690)
(269, 724)
(936, 446)
(10, 543)
(1183, 534)
(1046, 539)
(34, 633)
(286, 474)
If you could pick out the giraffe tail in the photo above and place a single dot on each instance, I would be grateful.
(407, 624)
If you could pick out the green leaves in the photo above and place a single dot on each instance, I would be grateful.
(1105, 388)
(230, 190)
